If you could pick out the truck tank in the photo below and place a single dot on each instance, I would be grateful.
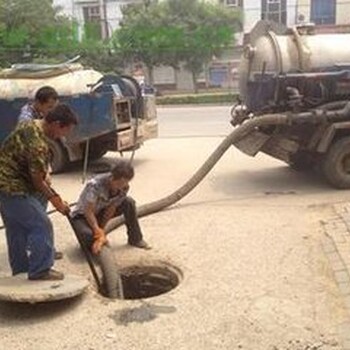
(278, 63)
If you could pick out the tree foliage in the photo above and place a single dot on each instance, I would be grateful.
(171, 32)
(34, 30)
(31, 28)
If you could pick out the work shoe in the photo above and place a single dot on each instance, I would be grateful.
(58, 255)
(48, 275)
(142, 244)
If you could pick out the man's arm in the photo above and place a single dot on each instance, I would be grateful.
(100, 238)
(41, 185)
(89, 213)
(108, 213)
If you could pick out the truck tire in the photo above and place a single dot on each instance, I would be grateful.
(336, 164)
(59, 158)
(112, 282)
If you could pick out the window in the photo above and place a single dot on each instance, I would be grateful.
(274, 10)
(323, 11)
(92, 22)
(92, 14)
(232, 3)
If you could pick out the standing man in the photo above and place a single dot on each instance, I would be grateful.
(45, 99)
(105, 197)
(24, 163)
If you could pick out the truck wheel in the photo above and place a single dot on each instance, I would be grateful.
(111, 278)
(59, 158)
(336, 164)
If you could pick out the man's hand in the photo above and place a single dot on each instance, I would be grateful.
(59, 204)
(100, 239)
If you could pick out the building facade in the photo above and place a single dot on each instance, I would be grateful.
(104, 16)
(328, 15)
(96, 17)
(324, 12)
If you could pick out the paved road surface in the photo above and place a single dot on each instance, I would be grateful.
(247, 241)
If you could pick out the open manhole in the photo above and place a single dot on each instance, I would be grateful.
(140, 282)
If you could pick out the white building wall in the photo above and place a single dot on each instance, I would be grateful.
(252, 13)
(114, 15)
(74, 9)
(292, 7)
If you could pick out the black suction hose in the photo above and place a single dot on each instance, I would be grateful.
(87, 254)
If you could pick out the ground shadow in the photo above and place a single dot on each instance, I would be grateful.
(26, 313)
(100, 166)
(278, 180)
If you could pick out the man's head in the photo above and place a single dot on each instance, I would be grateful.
(121, 174)
(59, 121)
(46, 98)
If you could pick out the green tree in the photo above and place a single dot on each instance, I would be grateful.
(171, 32)
(31, 14)
(32, 29)
(208, 30)
(142, 35)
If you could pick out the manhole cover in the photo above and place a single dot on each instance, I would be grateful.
(140, 282)
(19, 289)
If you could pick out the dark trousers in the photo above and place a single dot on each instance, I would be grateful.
(126, 208)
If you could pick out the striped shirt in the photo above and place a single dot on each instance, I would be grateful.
(28, 113)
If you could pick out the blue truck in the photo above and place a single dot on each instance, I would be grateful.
(114, 114)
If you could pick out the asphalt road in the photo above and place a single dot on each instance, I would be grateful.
(194, 121)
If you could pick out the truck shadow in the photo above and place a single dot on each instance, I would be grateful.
(99, 166)
(277, 180)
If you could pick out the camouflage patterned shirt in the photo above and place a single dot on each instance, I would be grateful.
(23, 152)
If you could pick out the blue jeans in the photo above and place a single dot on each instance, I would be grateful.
(28, 233)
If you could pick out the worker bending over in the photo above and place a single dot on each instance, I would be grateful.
(103, 198)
